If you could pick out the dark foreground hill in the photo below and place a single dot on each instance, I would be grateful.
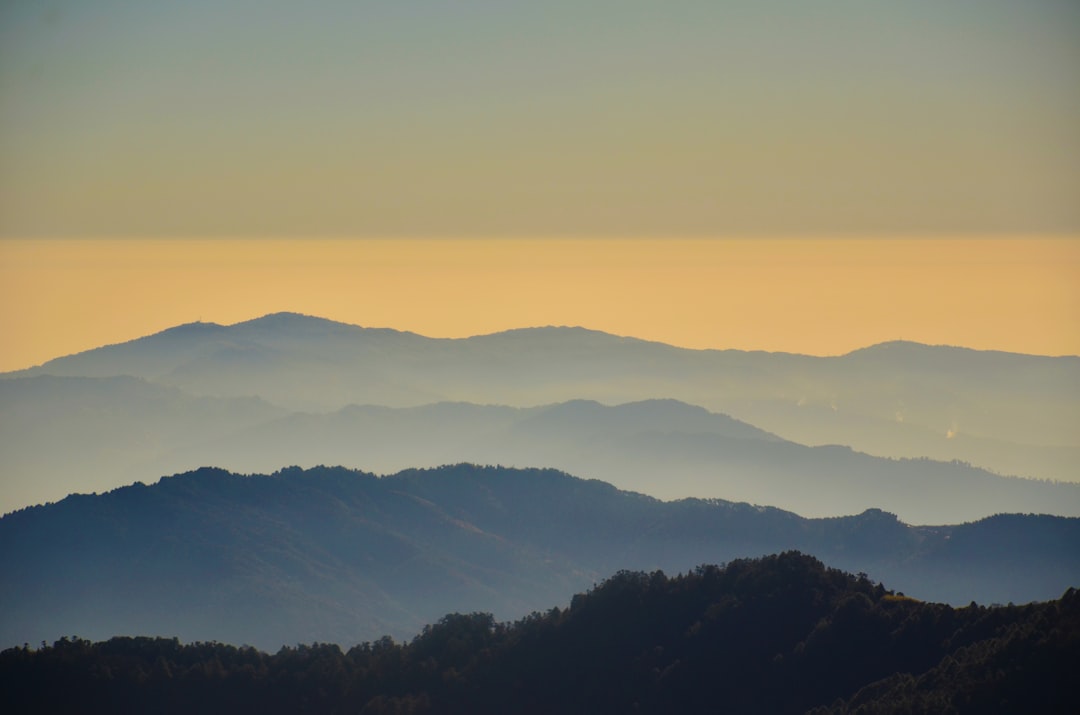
(331, 554)
(781, 634)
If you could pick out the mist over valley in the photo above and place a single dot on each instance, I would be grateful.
(290, 389)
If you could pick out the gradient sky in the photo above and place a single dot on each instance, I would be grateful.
(162, 162)
(505, 117)
(796, 295)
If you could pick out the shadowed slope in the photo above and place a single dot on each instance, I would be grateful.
(779, 634)
(332, 554)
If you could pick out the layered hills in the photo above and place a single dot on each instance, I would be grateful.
(290, 389)
(114, 431)
(868, 461)
(1010, 413)
(331, 554)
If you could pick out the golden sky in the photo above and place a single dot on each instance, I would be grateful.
(128, 131)
(817, 296)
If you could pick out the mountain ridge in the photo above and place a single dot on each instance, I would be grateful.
(1008, 414)
(333, 554)
(289, 319)
(121, 429)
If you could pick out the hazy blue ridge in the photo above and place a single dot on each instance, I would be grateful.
(76, 434)
(1010, 413)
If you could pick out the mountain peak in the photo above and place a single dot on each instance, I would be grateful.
(197, 328)
(561, 336)
(874, 514)
(548, 330)
(910, 348)
(287, 319)
(895, 347)
(310, 325)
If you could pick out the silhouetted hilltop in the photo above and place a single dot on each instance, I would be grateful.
(779, 634)
(562, 337)
(296, 322)
(942, 356)
(333, 554)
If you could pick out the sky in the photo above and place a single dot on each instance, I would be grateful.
(814, 296)
(196, 139)
(505, 117)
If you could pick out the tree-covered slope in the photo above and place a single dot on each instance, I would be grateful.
(780, 634)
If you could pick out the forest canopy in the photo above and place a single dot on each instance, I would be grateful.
(780, 634)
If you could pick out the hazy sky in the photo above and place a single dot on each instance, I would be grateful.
(797, 295)
(506, 117)
(156, 133)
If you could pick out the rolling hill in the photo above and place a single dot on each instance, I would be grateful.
(66, 434)
(331, 554)
(291, 389)
(1009, 413)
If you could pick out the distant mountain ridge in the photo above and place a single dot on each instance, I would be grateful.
(276, 325)
(117, 430)
(336, 555)
(664, 448)
(60, 435)
(299, 323)
(1011, 413)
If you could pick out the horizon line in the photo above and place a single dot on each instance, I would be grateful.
(309, 316)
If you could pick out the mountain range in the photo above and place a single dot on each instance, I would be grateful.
(290, 389)
(337, 555)
(937, 474)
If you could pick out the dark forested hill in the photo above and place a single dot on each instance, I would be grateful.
(780, 634)
(1013, 414)
(332, 554)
